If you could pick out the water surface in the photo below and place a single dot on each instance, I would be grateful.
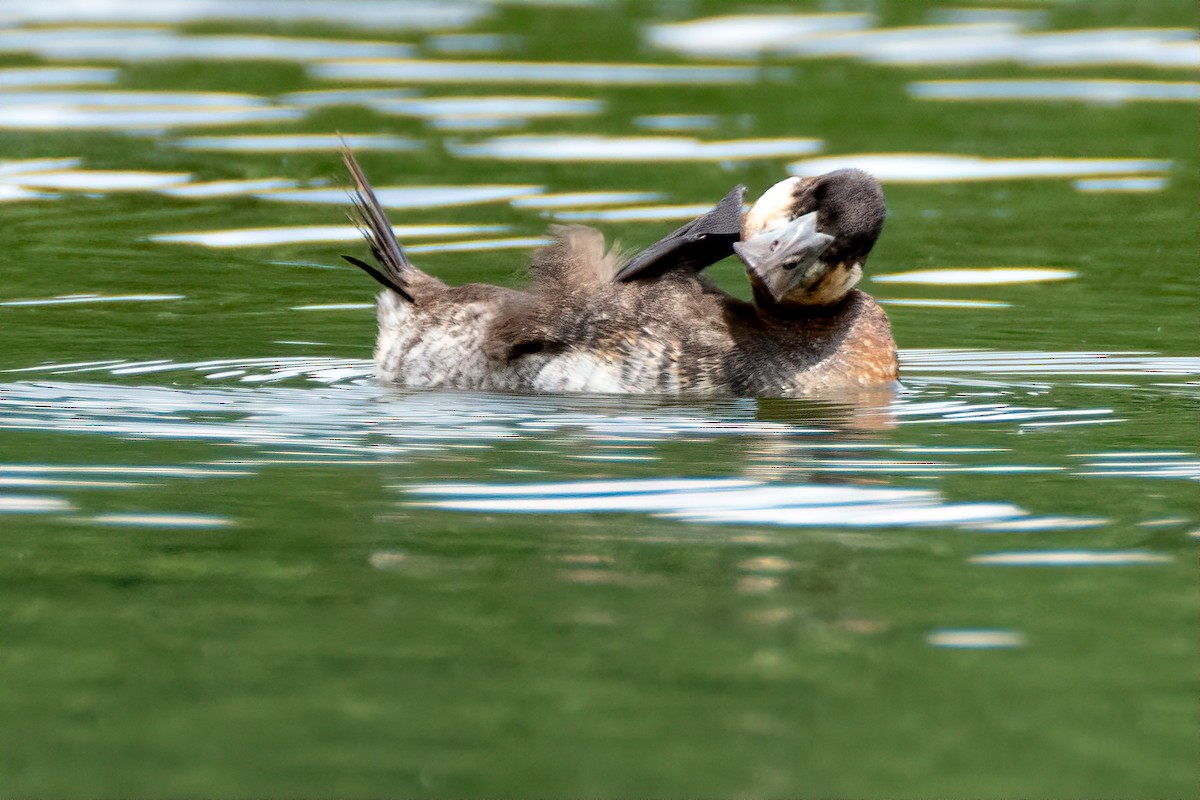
(234, 564)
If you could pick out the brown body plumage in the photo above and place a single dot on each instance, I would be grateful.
(577, 329)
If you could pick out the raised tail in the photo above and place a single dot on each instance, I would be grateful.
(395, 270)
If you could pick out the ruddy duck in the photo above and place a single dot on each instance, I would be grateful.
(655, 324)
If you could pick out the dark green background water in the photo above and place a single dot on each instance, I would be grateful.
(328, 636)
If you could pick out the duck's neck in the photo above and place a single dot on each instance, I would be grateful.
(767, 306)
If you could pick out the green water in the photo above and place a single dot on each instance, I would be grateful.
(320, 627)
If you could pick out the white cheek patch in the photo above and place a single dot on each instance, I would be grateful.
(833, 286)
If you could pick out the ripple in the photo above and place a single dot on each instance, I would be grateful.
(414, 196)
(493, 107)
(974, 37)
(31, 504)
(299, 142)
(544, 72)
(629, 148)
(1142, 465)
(369, 14)
(96, 180)
(635, 214)
(748, 35)
(975, 639)
(976, 276)
(1036, 363)
(740, 503)
(161, 44)
(303, 234)
(1093, 91)
(1071, 558)
(1121, 185)
(150, 520)
(940, 168)
(584, 199)
(75, 299)
(25, 77)
(935, 303)
(232, 188)
(676, 122)
(133, 110)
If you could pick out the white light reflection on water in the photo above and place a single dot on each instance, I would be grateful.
(495, 107)
(945, 167)
(152, 520)
(368, 14)
(134, 110)
(414, 196)
(226, 188)
(296, 142)
(1038, 363)
(975, 37)
(1120, 185)
(1180, 466)
(26, 77)
(161, 44)
(748, 35)
(811, 505)
(31, 504)
(76, 299)
(975, 276)
(1093, 91)
(584, 199)
(635, 214)
(543, 72)
(586, 147)
(17, 194)
(975, 639)
(676, 122)
(303, 234)
(1071, 558)
(96, 180)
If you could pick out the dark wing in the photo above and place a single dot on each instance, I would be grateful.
(703, 241)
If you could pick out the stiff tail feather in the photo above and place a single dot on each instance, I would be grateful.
(369, 217)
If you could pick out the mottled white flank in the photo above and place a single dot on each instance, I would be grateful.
(579, 372)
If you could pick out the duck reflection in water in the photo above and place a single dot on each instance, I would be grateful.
(655, 324)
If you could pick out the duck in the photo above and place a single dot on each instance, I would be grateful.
(594, 321)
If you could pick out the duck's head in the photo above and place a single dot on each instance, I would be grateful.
(804, 242)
